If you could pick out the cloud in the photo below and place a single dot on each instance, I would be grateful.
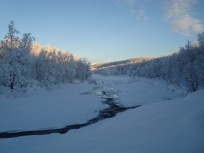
(136, 9)
(130, 2)
(179, 15)
(141, 16)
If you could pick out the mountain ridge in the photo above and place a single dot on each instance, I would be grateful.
(121, 62)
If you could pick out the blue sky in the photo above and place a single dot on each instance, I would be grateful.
(107, 30)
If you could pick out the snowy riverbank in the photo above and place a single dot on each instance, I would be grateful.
(167, 121)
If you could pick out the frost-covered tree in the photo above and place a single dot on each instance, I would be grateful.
(201, 40)
(21, 65)
(184, 68)
(15, 58)
(10, 59)
(71, 68)
(82, 70)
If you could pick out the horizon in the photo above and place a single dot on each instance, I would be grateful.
(106, 31)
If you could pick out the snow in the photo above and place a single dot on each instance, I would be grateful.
(139, 91)
(43, 109)
(167, 122)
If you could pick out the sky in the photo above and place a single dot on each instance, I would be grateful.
(107, 30)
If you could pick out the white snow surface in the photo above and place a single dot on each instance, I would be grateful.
(41, 109)
(166, 122)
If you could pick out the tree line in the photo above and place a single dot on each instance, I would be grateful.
(183, 68)
(21, 68)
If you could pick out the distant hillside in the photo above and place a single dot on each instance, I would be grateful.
(119, 63)
(184, 68)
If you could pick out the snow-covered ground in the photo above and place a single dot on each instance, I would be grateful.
(42, 109)
(167, 122)
(140, 91)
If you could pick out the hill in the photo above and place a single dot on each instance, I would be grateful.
(120, 63)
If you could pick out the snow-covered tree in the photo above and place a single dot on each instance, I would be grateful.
(184, 68)
(21, 65)
(83, 69)
(15, 58)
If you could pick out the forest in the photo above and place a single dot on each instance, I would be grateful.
(184, 68)
(21, 68)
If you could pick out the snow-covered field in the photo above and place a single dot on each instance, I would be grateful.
(167, 122)
(43, 109)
